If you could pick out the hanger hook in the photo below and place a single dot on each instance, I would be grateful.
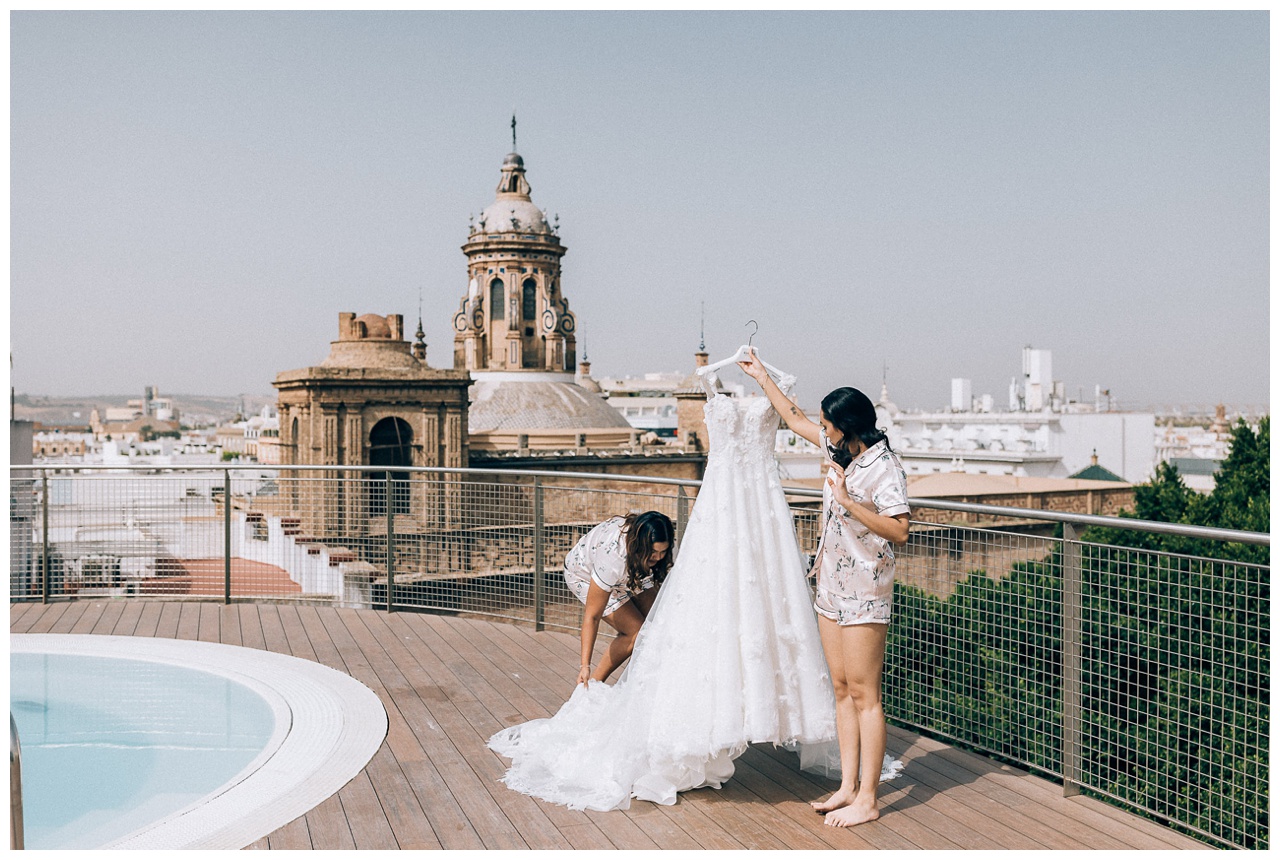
(754, 331)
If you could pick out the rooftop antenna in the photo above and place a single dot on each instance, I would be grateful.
(702, 326)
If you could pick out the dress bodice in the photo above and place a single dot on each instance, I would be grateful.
(741, 430)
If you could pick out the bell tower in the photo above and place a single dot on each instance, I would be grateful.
(514, 317)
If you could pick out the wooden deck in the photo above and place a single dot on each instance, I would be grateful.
(449, 683)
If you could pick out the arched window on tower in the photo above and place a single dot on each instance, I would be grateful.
(390, 444)
(529, 311)
(497, 299)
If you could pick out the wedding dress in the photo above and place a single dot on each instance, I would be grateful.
(729, 655)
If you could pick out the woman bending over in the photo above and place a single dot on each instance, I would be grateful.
(615, 570)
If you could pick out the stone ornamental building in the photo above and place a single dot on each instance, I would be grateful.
(371, 402)
(515, 334)
(514, 316)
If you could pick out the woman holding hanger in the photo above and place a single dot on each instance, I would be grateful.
(864, 512)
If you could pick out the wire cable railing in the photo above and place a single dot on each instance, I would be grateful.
(1131, 674)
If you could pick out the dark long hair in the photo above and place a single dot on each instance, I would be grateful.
(643, 531)
(854, 415)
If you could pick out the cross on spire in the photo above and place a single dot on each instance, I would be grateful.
(513, 131)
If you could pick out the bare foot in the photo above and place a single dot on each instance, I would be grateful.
(841, 798)
(859, 812)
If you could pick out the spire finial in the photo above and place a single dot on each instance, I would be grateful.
(513, 129)
(584, 349)
(420, 344)
(702, 326)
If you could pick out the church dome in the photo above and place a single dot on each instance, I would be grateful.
(513, 210)
(510, 406)
(513, 215)
(375, 326)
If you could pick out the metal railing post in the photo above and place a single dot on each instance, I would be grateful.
(682, 517)
(16, 837)
(1072, 775)
(226, 535)
(44, 537)
(391, 547)
(539, 597)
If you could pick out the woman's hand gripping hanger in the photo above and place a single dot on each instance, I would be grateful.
(742, 354)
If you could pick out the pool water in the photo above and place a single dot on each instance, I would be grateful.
(110, 745)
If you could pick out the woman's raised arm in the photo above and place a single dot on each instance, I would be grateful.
(797, 422)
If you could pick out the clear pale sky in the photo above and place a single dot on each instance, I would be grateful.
(196, 196)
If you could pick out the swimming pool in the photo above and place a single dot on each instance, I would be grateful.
(155, 743)
(110, 744)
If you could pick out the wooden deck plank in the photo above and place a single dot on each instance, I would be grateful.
(961, 802)
(792, 791)
(621, 831)
(273, 637)
(1011, 786)
(1114, 823)
(793, 819)
(490, 820)
(16, 611)
(535, 821)
(188, 621)
(48, 616)
(963, 785)
(369, 826)
(210, 629)
(79, 617)
(328, 826)
(128, 620)
(585, 836)
(71, 613)
(110, 615)
(167, 624)
(250, 626)
(229, 625)
(448, 683)
(903, 805)
(1146, 826)
(148, 620)
(400, 803)
(488, 710)
(295, 634)
(427, 774)
(291, 837)
(440, 713)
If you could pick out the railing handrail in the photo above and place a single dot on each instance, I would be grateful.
(16, 835)
(1151, 526)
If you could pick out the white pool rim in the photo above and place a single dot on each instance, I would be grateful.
(327, 727)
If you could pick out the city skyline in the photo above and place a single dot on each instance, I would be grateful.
(195, 196)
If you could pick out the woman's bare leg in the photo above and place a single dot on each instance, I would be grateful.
(847, 727)
(626, 620)
(863, 648)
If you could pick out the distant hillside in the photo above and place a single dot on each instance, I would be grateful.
(53, 410)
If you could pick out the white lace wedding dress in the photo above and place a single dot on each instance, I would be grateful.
(730, 654)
